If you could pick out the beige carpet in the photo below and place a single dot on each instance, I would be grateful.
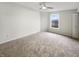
(42, 44)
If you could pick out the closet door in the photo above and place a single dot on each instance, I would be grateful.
(75, 26)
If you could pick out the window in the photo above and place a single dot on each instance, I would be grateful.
(54, 20)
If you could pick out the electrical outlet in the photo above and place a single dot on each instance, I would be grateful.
(7, 35)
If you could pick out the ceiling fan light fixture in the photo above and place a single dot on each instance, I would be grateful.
(44, 7)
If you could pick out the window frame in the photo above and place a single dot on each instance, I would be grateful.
(58, 21)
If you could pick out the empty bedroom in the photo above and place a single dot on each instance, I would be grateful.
(39, 29)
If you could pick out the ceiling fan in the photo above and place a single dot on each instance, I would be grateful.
(44, 6)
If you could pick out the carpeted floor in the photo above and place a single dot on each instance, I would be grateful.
(42, 44)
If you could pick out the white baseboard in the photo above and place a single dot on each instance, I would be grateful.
(17, 38)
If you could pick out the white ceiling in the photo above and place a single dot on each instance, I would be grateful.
(57, 6)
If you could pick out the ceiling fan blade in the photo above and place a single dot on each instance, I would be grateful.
(43, 6)
(50, 7)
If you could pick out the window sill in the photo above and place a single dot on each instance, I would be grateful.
(54, 28)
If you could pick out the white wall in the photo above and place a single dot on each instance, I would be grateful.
(66, 18)
(17, 21)
(44, 21)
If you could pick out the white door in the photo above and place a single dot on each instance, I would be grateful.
(75, 26)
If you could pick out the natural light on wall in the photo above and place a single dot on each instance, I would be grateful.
(54, 20)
